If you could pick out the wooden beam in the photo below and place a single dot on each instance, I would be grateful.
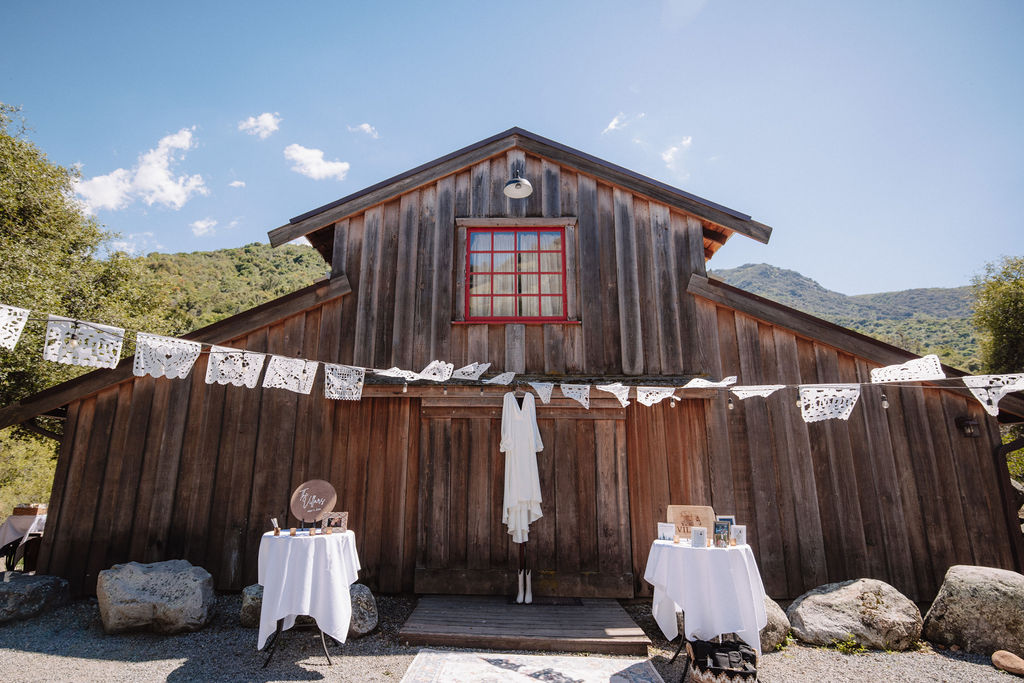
(31, 426)
(566, 221)
(821, 331)
(719, 238)
(219, 332)
(375, 194)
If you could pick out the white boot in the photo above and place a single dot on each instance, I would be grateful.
(529, 589)
(519, 597)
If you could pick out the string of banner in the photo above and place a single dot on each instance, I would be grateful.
(77, 342)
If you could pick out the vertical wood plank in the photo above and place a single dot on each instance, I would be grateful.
(628, 281)
(386, 282)
(649, 306)
(590, 276)
(405, 329)
(426, 277)
(445, 262)
(608, 289)
(341, 348)
(554, 349)
(339, 248)
(551, 189)
(368, 289)
(515, 348)
(665, 290)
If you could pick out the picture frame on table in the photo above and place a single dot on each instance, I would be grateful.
(721, 533)
(337, 521)
(726, 518)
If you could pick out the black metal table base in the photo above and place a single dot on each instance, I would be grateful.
(277, 636)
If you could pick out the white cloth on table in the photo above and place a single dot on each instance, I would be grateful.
(718, 589)
(305, 574)
(20, 526)
(520, 442)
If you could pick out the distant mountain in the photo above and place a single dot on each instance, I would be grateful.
(934, 320)
(207, 286)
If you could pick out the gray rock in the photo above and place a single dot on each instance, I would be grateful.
(978, 609)
(775, 631)
(26, 595)
(364, 611)
(874, 613)
(165, 597)
(252, 604)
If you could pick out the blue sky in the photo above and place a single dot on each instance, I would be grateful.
(882, 141)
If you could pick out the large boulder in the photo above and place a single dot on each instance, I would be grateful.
(26, 595)
(978, 609)
(165, 597)
(364, 609)
(775, 631)
(874, 613)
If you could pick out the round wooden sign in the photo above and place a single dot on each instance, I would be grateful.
(312, 500)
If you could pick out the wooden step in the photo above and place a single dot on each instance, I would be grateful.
(591, 625)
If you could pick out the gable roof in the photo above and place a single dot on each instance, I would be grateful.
(726, 220)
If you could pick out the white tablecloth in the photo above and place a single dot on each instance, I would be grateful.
(718, 589)
(306, 574)
(19, 526)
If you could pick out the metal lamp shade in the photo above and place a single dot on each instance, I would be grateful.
(518, 188)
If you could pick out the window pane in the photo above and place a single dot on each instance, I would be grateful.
(528, 284)
(479, 241)
(504, 306)
(479, 306)
(479, 284)
(528, 241)
(529, 306)
(551, 284)
(528, 263)
(479, 263)
(504, 284)
(551, 263)
(504, 263)
(550, 241)
(551, 306)
(504, 241)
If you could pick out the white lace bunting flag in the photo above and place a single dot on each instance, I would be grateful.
(471, 371)
(988, 389)
(293, 374)
(543, 390)
(700, 383)
(407, 375)
(164, 356)
(578, 392)
(926, 367)
(233, 366)
(828, 401)
(343, 382)
(503, 378)
(648, 396)
(80, 343)
(12, 322)
(762, 390)
(437, 371)
(621, 392)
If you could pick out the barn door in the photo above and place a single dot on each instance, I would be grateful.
(580, 547)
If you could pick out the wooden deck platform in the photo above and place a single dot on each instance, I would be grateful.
(577, 625)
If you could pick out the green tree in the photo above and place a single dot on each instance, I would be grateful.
(999, 314)
(53, 261)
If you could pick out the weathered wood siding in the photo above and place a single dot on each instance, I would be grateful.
(632, 257)
(897, 494)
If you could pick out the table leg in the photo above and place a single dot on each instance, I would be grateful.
(273, 642)
(682, 642)
(324, 643)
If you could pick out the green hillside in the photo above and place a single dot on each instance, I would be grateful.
(206, 286)
(922, 321)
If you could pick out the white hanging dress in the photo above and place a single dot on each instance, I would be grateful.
(520, 442)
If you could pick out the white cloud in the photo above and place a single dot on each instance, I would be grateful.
(203, 226)
(673, 156)
(364, 128)
(150, 180)
(236, 183)
(617, 123)
(262, 125)
(621, 121)
(311, 163)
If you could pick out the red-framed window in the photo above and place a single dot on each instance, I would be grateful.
(515, 274)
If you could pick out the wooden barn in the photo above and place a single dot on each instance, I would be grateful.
(608, 285)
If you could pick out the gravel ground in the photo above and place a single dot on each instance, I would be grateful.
(68, 644)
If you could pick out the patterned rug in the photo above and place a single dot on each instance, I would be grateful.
(435, 666)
